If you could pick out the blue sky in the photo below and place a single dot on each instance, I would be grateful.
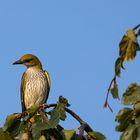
(77, 42)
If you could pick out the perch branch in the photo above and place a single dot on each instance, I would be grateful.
(83, 124)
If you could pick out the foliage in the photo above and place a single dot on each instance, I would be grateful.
(36, 124)
(128, 118)
(128, 48)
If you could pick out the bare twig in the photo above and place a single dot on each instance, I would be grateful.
(106, 104)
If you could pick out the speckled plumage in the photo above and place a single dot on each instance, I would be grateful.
(35, 87)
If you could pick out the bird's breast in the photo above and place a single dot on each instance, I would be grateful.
(35, 90)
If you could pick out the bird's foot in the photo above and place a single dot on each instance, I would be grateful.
(43, 107)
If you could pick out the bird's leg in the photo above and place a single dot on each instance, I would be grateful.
(23, 114)
(43, 107)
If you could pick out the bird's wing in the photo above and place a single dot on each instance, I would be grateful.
(22, 87)
(48, 82)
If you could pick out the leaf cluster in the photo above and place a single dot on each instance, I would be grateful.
(129, 118)
(128, 48)
(37, 124)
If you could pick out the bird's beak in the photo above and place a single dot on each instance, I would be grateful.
(17, 62)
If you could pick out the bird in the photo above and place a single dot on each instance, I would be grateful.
(35, 82)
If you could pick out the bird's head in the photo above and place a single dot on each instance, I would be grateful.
(29, 60)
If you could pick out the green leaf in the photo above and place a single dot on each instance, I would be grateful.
(131, 133)
(118, 65)
(131, 35)
(128, 134)
(124, 118)
(63, 101)
(128, 49)
(55, 117)
(59, 127)
(123, 46)
(131, 51)
(114, 91)
(24, 136)
(42, 138)
(20, 129)
(44, 127)
(4, 135)
(137, 107)
(11, 122)
(137, 132)
(38, 126)
(128, 46)
(54, 133)
(131, 95)
(69, 134)
(58, 113)
(92, 134)
(99, 136)
(137, 120)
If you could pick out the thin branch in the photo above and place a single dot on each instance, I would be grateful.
(108, 91)
(74, 116)
(136, 27)
(87, 128)
(81, 131)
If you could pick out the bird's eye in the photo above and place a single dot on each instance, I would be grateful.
(28, 60)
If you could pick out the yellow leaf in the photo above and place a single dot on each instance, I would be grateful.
(131, 35)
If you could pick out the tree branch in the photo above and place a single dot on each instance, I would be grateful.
(136, 27)
(83, 124)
